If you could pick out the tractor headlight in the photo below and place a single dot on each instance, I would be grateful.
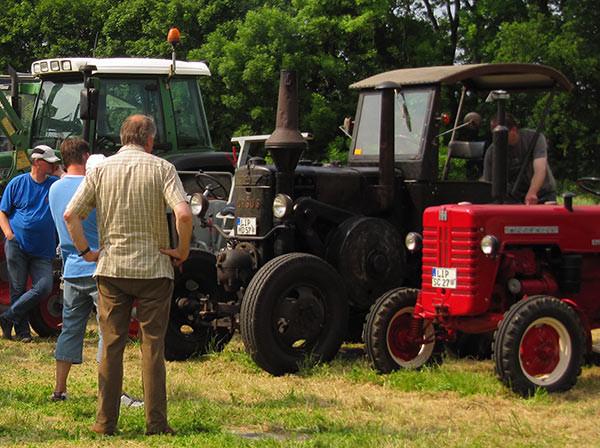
(413, 242)
(282, 206)
(199, 204)
(490, 245)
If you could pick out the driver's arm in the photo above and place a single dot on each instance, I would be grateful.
(537, 180)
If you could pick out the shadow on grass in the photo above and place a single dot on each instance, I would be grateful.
(351, 353)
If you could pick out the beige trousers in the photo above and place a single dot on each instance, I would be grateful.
(115, 300)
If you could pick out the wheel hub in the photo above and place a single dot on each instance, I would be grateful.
(401, 344)
(540, 350)
(299, 317)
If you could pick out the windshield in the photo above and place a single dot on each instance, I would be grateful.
(120, 98)
(410, 113)
(57, 115)
(192, 128)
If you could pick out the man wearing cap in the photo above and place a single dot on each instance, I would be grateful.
(30, 240)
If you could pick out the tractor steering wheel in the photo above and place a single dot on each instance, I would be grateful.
(206, 181)
(589, 184)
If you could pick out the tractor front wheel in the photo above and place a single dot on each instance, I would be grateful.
(294, 312)
(389, 341)
(539, 344)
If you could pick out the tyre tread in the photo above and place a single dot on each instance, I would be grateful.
(510, 331)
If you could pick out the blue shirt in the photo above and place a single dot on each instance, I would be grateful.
(61, 193)
(25, 202)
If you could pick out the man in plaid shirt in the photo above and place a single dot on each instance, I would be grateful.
(130, 192)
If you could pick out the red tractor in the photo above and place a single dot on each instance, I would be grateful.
(530, 274)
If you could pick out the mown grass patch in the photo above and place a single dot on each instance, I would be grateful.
(225, 400)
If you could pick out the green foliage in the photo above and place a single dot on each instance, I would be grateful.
(38, 29)
(331, 44)
(558, 34)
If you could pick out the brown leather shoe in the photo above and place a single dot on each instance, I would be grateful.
(99, 430)
(167, 432)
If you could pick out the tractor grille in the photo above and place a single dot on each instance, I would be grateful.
(448, 247)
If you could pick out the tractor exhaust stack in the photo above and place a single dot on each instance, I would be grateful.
(286, 142)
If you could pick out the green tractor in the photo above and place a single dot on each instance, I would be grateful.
(91, 97)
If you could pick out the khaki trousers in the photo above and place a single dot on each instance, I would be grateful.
(115, 301)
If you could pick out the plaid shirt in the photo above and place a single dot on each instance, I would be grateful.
(130, 192)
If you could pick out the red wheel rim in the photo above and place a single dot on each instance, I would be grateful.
(51, 308)
(540, 350)
(398, 338)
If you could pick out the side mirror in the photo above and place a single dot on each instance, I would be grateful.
(88, 104)
(472, 121)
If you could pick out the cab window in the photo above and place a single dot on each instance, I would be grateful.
(119, 99)
(57, 113)
(190, 120)
(410, 113)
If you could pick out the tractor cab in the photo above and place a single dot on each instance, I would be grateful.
(80, 96)
(399, 121)
(91, 97)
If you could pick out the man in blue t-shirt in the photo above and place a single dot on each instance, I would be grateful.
(30, 240)
(80, 292)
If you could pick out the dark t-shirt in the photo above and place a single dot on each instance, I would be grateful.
(516, 158)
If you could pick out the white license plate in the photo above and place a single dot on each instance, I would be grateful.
(443, 278)
(246, 226)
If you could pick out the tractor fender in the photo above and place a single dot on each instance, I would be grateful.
(584, 320)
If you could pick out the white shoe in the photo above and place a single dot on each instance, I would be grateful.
(61, 396)
(128, 401)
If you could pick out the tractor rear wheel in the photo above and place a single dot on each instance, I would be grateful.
(539, 344)
(46, 317)
(294, 311)
(387, 333)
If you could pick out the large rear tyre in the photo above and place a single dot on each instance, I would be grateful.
(185, 336)
(387, 333)
(294, 311)
(539, 344)
(46, 317)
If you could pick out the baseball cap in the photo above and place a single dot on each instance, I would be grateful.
(44, 152)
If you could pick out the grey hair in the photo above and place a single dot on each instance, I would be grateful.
(136, 130)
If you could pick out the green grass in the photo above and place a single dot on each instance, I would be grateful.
(225, 400)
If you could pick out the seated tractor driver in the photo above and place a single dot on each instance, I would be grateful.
(537, 184)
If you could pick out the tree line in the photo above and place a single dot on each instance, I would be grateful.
(331, 43)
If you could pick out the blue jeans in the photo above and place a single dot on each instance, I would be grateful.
(19, 265)
(80, 295)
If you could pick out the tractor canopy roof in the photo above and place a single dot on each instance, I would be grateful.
(509, 77)
(141, 66)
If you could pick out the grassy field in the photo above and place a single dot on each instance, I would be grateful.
(224, 400)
